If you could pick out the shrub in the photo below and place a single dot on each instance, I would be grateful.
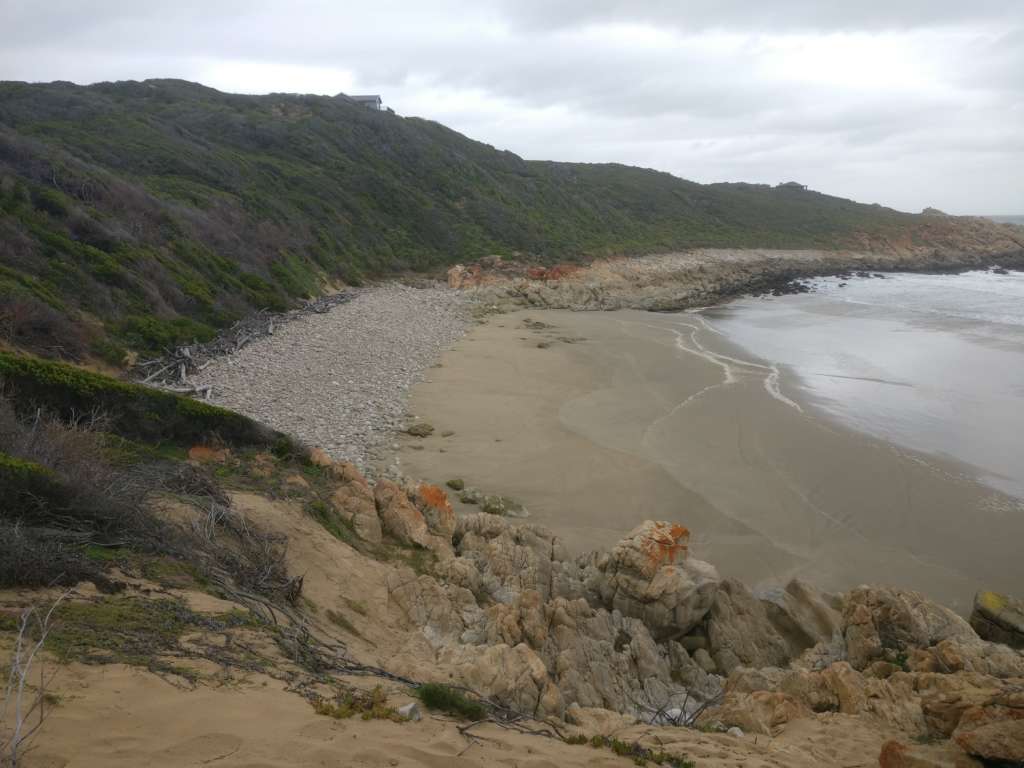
(451, 701)
(135, 411)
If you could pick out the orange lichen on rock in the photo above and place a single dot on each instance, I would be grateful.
(665, 542)
(433, 496)
(437, 510)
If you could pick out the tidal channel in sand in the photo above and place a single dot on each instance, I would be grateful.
(598, 421)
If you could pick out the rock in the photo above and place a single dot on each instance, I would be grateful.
(694, 642)
(648, 576)
(704, 661)
(801, 616)
(205, 453)
(735, 732)
(456, 484)
(502, 505)
(297, 482)
(897, 754)
(319, 458)
(353, 502)
(402, 520)
(977, 655)
(470, 496)
(420, 429)
(760, 712)
(410, 711)
(442, 612)
(594, 721)
(513, 676)
(740, 633)
(437, 510)
(999, 618)
(945, 697)
(993, 733)
(448, 433)
(881, 619)
(512, 558)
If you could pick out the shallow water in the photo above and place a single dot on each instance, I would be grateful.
(934, 363)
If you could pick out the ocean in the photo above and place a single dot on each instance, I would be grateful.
(933, 363)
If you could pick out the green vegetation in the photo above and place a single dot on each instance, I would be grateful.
(321, 511)
(135, 411)
(640, 755)
(147, 214)
(129, 630)
(450, 701)
(349, 703)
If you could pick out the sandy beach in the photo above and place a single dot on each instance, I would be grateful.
(598, 421)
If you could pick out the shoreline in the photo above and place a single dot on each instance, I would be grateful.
(699, 277)
(601, 428)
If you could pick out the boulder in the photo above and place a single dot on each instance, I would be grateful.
(437, 510)
(401, 519)
(318, 458)
(801, 615)
(740, 633)
(898, 754)
(352, 500)
(881, 620)
(999, 618)
(512, 558)
(513, 676)
(839, 688)
(994, 659)
(993, 733)
(764, 712)
(648, 576)
(444, 613)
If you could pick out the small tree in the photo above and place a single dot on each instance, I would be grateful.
(19, 727)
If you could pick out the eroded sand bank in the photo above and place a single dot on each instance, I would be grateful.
(628, 416)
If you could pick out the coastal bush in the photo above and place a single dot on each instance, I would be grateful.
(133, 411)
(451, 701)
(164, 210)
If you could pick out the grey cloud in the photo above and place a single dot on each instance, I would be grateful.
(688, 87)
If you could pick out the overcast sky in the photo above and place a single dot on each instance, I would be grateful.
(903, 102)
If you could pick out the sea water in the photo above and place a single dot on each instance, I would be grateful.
(934, 363)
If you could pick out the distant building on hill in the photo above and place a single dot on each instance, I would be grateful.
(792, 185)
(370, 101)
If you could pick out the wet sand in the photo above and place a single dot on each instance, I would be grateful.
(628, 416)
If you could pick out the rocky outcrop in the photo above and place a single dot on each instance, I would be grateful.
(999, 618)
(401, 519)
(802, 616)
(516, 617)
(353, 501)
(740, 633)
(899, 754)
(994, 733)
(648, 576)
(883, 622)
(701, 277)
(913, 666)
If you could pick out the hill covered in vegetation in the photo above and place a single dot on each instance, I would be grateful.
(137, 215)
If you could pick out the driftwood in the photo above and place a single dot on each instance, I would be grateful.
(171, 371)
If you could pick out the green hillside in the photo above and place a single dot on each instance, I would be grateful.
(138, 215)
